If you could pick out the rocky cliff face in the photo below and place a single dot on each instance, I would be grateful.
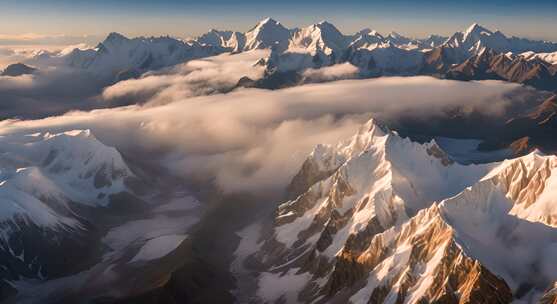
(388, 220)
(489, 64)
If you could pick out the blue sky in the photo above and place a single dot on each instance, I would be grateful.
(534, 19)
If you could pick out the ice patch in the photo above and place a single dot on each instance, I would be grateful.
(158, 247)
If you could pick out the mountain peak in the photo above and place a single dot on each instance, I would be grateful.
(476, 29)
(269, 21)
(268, 24)
(267, 33)
(327, 28)
(113, 36)
(325, 23)
(17, 69)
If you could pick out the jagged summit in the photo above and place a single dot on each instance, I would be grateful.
(115, 37)
(315, 46)
(475, 29)
(370, 227)
(267, 20)
(268, 33)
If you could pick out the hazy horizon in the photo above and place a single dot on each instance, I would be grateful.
(29, 19)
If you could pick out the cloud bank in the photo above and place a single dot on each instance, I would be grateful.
(255, 140)
(195, 78)
(58, 88)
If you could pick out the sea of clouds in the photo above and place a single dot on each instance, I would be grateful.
(190, 118)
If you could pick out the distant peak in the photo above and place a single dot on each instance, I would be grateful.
(476, 28)
(365, 31)
(17, 69)
(395, 34)
(115, 37)
(325, 23)
(268, 20)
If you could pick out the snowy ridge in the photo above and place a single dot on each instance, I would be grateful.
(52, 188)
(41, 173)
(373, 229)
(377, 185)
(476, 38)
(268, 33)
(548, 57)
(530, 182)
(323, 37)
(118, 56)
(314, 46)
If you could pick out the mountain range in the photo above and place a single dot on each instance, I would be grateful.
(364, 226)
(294, 50)
(388, 215)
(76, 220)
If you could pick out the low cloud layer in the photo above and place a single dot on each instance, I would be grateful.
(48, 92)
(334, 72)
(255, 140)
(45, 41)
(194, 78)
(57, 88)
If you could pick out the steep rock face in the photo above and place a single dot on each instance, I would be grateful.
(550, 297)
(375, 185)
(538, 125)
(215, 38)
(439, 60)
(365, 39)
(322, 36)
(488, 64)
(268, 33)
(529, 182)
(547, 57)
(421, 262)
(368, 229)
(476, 37)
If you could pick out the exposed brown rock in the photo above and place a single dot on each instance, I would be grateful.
(550, 296)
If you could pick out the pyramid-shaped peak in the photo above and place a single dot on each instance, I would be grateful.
(475, 28)
(268, 24)
(325, 23)
(114, 36)
(268, 21)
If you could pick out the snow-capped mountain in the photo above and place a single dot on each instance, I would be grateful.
(476, 38)
(72, 210)
(118, 54)
(321, 37)
(268, 33)
(47, 180)
(370, 228)
(119, 58)
(489, 64)
(294, 50)
(548, 57)
(375, 55)
(57, 169)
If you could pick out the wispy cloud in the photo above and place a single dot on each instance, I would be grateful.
(33, 39)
